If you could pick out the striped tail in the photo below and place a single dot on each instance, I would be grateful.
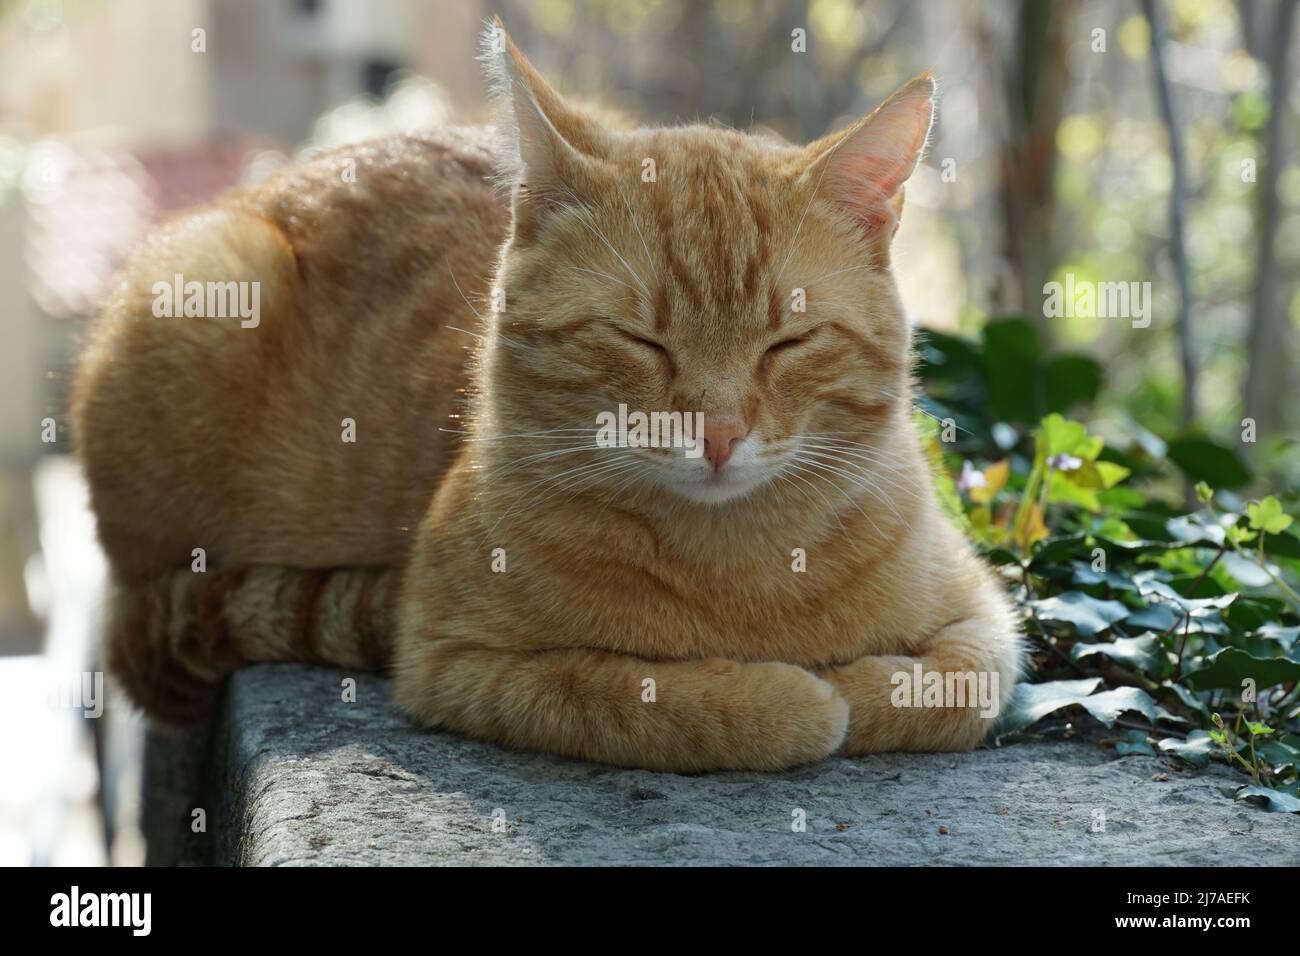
(171, 642)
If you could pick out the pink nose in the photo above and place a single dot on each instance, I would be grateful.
(721, 434)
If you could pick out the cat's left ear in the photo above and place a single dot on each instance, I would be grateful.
(547, 145)
(862, 168)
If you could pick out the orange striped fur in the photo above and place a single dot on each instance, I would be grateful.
(648, 612)
(174, 639)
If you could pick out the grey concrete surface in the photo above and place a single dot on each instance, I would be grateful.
(299, 777)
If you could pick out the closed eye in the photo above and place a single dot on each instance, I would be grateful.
(786, 344)
(642, 340)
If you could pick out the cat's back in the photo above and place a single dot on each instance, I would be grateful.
(400, 200)
(302, 423)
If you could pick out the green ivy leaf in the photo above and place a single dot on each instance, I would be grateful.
(1195, 750)
(1162, 618)
(1191, 530)
(1286, 637)
(1280, 752)
(947, 357)
(1144, 653)
(1239, 535)
(1082, 574)
(1152, 589)
(1052, 550)
(1245, 571)
(1134, 742)
(1121, 498)
(1267, 515)
(1108, 705)
(1070, 380)
(1031, 702)
(1063, 489)
(1230, 666)
(1089, 616)
(1273, 800)
(1060, 436)
(1111, 473)
(1000, 556)
(1204, 460)
(1186, 697)
(1012, 351)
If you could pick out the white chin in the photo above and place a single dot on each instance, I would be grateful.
(714, 490)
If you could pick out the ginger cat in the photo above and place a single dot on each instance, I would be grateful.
(383, 474)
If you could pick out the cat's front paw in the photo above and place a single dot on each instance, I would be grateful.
(801, 719)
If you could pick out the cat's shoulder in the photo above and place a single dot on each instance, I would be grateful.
(386, 180)
(464, 150)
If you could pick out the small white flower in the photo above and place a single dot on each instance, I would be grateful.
(970, 478)
(1064, 462)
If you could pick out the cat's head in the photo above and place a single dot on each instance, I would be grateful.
(698, 269)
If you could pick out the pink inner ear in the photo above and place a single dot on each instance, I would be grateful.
(868, 168)
(865, 187)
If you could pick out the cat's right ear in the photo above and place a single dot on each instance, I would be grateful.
(862, 169)
(546, 146)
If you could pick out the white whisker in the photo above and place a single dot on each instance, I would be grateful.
(605, 275)
(583, 219)
(857, 476)
(856, 481)
(847, 497)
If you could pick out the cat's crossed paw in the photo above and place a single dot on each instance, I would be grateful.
(801, 719)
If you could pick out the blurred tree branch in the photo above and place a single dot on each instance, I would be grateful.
(1177, 210)
(1034, 76)
(1265, 396)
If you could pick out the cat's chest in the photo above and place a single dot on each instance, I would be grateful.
(660, 612)
(619, 587)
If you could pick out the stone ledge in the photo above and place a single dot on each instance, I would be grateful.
(297, 777)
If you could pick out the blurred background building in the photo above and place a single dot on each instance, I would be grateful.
(1052, 155)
